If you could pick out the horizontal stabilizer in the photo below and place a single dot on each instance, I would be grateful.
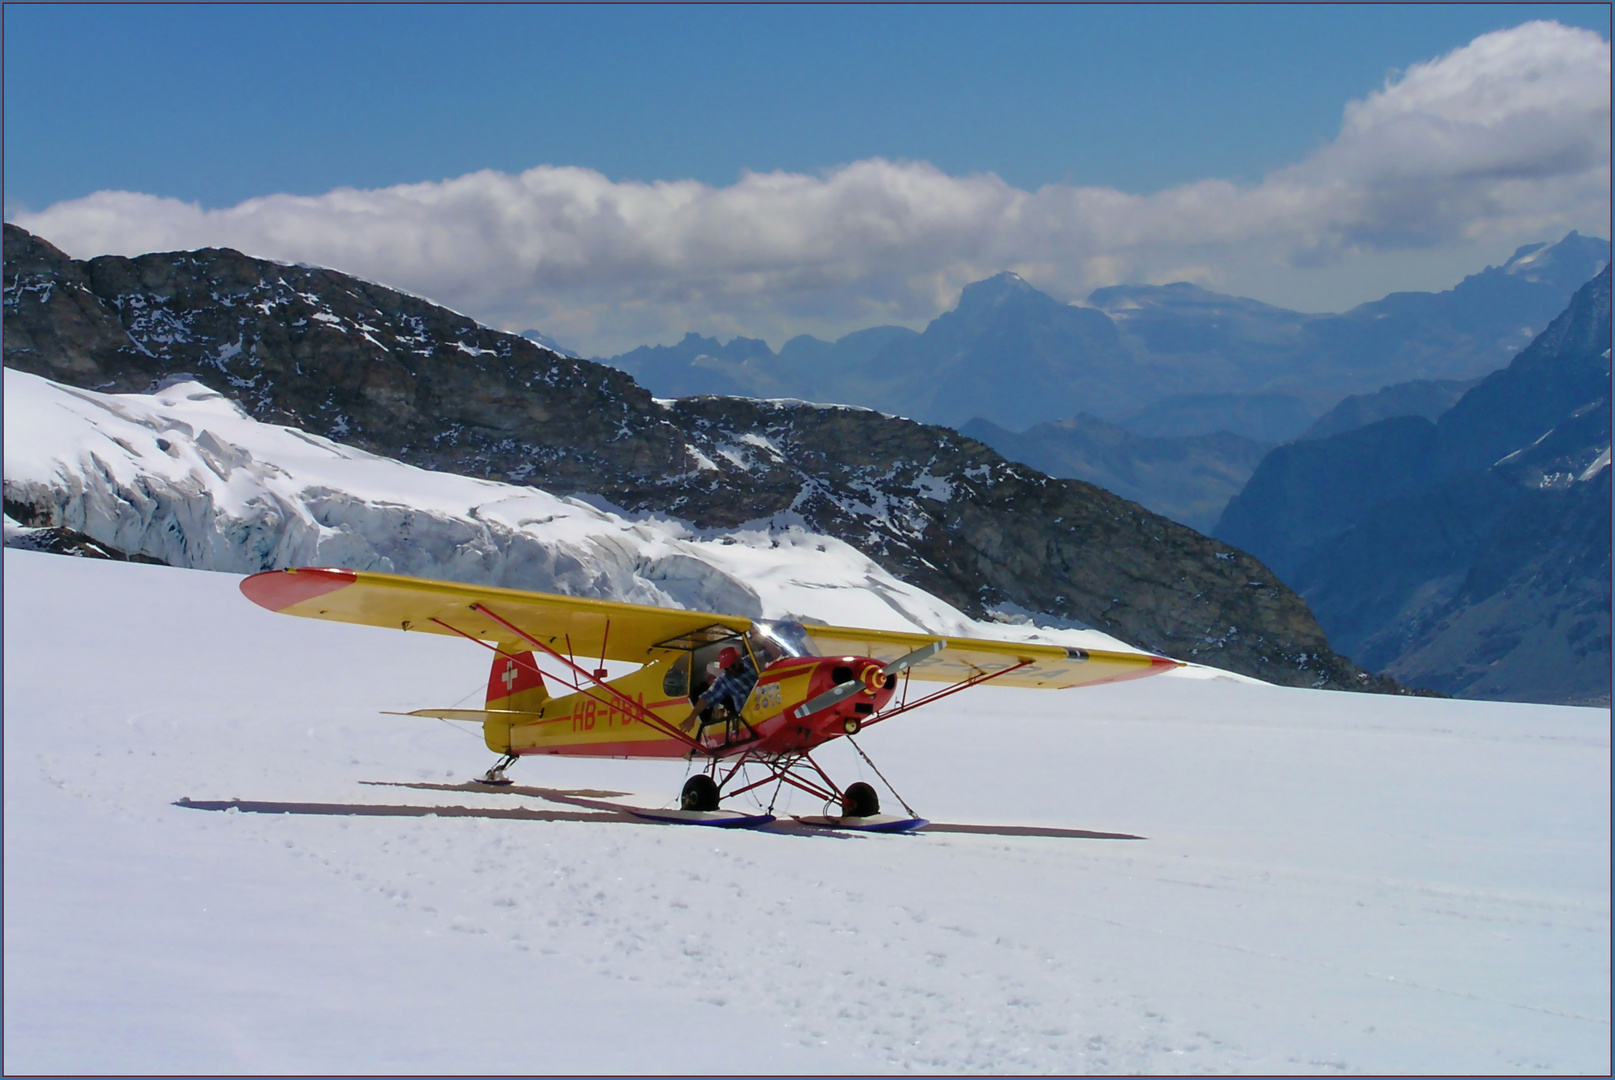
(481, 716)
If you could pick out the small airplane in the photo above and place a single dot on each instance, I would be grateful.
(790, 687)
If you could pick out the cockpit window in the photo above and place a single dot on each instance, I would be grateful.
(777, 639)
(676, 683)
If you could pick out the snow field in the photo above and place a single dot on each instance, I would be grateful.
(1329, 882)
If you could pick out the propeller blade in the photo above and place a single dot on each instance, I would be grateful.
(842, 691)
(903, 663)
(833, 696)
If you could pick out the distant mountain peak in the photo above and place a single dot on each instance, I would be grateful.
(993, 291)
(1576, 259)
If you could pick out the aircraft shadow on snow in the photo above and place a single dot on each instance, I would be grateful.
(592, 813)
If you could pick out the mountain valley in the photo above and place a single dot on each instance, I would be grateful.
(1471, 553)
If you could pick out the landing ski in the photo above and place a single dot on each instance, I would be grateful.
(717, 819)
(886, 823)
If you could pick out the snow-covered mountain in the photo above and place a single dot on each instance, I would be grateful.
(184, 476)
(395, 375)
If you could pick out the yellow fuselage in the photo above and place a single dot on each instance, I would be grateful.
(596, 723)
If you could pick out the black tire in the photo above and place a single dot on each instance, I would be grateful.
(860, 800)
(700, 793)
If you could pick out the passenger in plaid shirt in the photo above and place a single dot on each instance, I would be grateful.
(728, 692)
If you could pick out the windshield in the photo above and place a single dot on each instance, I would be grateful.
(771, 640)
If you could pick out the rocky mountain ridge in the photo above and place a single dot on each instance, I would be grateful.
(1470, 553)
(399, 376)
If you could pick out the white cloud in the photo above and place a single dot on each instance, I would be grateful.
(1504, 140)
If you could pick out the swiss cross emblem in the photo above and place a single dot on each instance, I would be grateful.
(509, 677)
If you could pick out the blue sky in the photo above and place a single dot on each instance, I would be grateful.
(211, 106)
(220, 104)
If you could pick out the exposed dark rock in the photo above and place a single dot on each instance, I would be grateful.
(63, 541)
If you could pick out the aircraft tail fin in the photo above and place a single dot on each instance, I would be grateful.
(516, 685)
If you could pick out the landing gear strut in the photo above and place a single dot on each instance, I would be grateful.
(800, 771)
(496, 775)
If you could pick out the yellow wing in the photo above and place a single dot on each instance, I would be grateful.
(586, 628)
(589, 629)
(1051, 666)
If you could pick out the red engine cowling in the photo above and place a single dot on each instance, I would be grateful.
(849, 714)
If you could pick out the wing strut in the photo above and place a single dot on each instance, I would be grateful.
(870, 762)
(629, 705)
(975, 680)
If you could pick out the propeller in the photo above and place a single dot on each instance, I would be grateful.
(842, 691)
(903, 663)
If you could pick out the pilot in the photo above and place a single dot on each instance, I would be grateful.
(728, 693)
(764, 647)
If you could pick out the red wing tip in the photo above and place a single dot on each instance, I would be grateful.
(278, 590)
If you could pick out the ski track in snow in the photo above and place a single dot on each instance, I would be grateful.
(1330, 882)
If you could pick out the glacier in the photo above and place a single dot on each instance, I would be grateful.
(185, 476)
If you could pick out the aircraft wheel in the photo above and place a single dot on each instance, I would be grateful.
(700, 793)
(860, 800)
